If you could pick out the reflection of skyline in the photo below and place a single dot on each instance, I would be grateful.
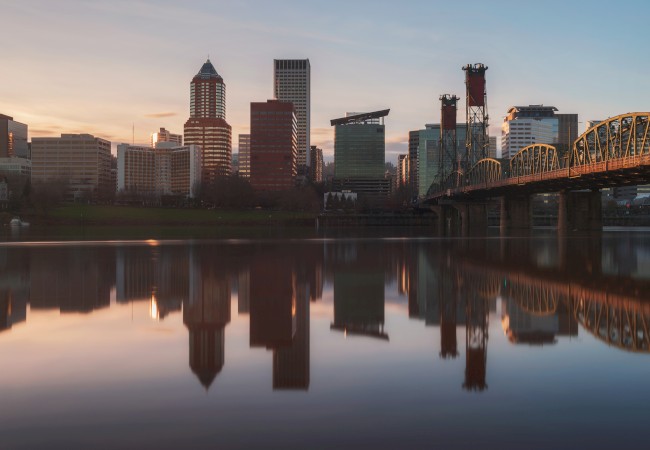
(447, 285)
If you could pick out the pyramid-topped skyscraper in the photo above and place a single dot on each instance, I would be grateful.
(207, 126)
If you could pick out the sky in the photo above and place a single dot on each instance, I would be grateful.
(122, 69)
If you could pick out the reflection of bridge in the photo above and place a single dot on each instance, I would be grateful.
(614, 312)
(615, 152)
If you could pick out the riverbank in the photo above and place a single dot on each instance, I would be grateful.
(129, 216)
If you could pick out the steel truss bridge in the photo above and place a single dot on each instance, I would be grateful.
(615, 152)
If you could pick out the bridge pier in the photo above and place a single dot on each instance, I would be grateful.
(449, 221)
(473, 218)
(516, 213)
(580, 211)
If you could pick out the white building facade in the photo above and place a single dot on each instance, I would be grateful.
(528, 125)
(165, 170)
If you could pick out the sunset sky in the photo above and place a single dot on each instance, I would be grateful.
(103, 67)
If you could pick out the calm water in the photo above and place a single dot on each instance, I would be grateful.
(327, 343)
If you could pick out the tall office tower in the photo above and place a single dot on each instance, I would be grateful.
(291, 83)
(527, 125)
(492, 152)
(81, 161)
(360, 154)
(567, 130)
(13, 138)
(402, 170)
(165, 136)
(207, 126)
(245, 156)
(273, 145)
(428, 155)
(414, 142)
(316, 167)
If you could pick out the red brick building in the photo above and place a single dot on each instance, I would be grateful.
(273, 146)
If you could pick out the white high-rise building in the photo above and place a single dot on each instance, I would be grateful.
(291, 82)
(527, 125)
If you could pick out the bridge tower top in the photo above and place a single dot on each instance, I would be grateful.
(477, 142)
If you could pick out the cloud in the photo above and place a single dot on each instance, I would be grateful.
(44, 131)
(160, 115)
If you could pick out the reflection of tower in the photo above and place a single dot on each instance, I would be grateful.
(134, 278)
(359, 303)
(477, 142)
(13, 307)
(316, 281)
(279, 320)
(243, 292)
(476, 337)
(291, 363)
(272, 304)
(14, 286)
(448, 149)
(171, 279)
(206, 315)
(448, 320)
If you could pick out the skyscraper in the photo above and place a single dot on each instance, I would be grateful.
(360, 154)
(403, 169)
(426, 145)
(291, 83)
(207, 126)
(567, 130)
(245, 156)
(273, 145)
(316, 167)
(13, 138)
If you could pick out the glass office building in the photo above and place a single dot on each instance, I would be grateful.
(360, 154)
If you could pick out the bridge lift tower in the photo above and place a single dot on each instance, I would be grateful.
(477, 142)
(449, 157)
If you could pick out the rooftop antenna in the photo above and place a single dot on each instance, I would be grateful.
(133, 134)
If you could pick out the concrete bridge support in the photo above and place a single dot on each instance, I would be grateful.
(449, 221)
(580, 211)
(516, 213)
(473, 218)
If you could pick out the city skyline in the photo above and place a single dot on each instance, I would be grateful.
(100, 58)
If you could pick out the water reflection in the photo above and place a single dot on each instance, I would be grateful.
(544, 288)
